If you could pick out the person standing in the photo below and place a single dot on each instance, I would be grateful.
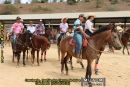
(40, 28)
(31, 28)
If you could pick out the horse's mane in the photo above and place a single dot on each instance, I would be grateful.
(102, 29)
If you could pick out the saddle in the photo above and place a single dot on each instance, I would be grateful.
(73, 43)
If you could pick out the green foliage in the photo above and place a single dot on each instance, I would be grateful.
(39, 1)
(98, 3)
(41, 8)
(111, 8)
(9, 9)
(7, 2)
(114, 1)
(71, 2)
(87, 0)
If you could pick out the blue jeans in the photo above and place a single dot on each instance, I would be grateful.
(78, 39)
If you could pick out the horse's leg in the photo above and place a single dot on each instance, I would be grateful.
(89, 72)
(65, 62)
(13, 57)
(41, 56)
(96, 65)
(18, 58)
(127, 50)
(33, 55)
(24, 58)
(45, 56)
(82, 65)
(38, 58)
(71, 63)
(123, 50)
(62, 61)
(27, 54)
(58, 53)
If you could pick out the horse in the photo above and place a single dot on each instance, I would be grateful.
(48, 35)
(37, 43)
(125, 38)
(59, 40)
(19, 46)
(106, 35)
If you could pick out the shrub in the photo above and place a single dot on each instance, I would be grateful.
(111, 8)
(9, 9)
(7, 2)
(71, 2)
(40, 8)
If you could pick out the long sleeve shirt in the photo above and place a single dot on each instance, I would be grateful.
(64, 27)
(89, 26)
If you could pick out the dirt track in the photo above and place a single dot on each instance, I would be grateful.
(114, 67)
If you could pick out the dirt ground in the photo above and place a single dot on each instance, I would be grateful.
(115, 68)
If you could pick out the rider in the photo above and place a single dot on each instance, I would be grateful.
(17, 28)
(78, 35)
(30, 27)
(89, 26)
(40, 28)
(63, 28)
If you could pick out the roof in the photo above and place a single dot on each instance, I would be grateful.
(68, 15)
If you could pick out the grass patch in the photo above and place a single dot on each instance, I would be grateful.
(41, 8)
(9, 9)
(111, 8)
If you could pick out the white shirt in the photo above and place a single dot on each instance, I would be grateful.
(31, 28)
(89, 25)
(119, 29)
(64, 27)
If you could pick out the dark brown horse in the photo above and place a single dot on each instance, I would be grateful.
(106, 35)
(37, 43)
(48, 35)
(19, 46)
(125, 39)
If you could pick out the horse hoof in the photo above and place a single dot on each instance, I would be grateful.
(96, 72)
(17, 66)
(72, 68)
(41, 60)
(38, 64)
(45, 60)
(67, 73)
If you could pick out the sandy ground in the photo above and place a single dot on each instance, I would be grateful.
(114, 67)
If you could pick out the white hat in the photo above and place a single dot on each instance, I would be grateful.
(63, 19)
(91, 14)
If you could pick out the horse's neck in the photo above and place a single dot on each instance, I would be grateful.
(99, 40)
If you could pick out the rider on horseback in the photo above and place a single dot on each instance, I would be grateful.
(63, 29)
(17, 28)
(40, 28)
(30, 27)
(78, 35)
(89, 29)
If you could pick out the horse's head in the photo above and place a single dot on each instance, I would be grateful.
(28, 36)
(48, 32)
(113, 38)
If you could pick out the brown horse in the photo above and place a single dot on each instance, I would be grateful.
(106, 35)
(48, 35)
(125, 38)
(37, 43)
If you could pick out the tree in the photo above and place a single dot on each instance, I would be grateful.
(71, 2)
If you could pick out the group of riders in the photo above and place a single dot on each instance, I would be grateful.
(80, 29)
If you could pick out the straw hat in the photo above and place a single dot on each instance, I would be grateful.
(18, 18)
(91, 15)
(65, 18)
